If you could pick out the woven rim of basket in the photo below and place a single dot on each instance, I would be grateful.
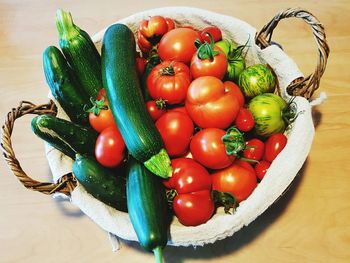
(300, 87)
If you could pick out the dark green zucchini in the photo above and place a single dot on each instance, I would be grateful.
(80, 52)
(68, 137)
(147, 208)
(124, 95)
(64, 86)
(106, 185)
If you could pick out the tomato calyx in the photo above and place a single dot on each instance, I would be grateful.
(170, 195)
(235, 144)
(168, 70)
(236, 53)
(225, 199)
(161, 104)
(97, 106)
(206, 50)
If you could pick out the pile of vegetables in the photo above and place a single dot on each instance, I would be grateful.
(175, 130)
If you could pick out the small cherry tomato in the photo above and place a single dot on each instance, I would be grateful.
(236, 180)
(244, 120)
(254, 149)
(176, 129)
(274, 145)
(214, 31)
(261, 169)
(100, 115)
(155, 109)
(110, 147)
(140, 65)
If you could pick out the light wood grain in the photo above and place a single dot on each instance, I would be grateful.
(309, 224)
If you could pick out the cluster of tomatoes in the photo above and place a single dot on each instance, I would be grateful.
(201, 116)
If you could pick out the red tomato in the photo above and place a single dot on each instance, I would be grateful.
(193, 204)
(100, 115)
(140, 65)
(178, 45)
(194, 209)
(261, 169)
(244, 120)
(214, 31)
(256, 151)
(209, 104)
(169, 81)
(150, 31)
(176, 129)
(210, 65)
(180, 109)
(208, 149)
(110, 147)
(101, 94)
(233, 88)
(236, 180)
(274, 145)
(245, 164)
(154, 109)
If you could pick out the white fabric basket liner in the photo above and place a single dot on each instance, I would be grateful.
(279, 176)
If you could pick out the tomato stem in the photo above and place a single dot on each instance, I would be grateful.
(161, 103)
(234, 141)
(227, 200)
(206, 50)
(168, 71)
(97, 106)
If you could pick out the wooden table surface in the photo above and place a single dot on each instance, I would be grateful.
(309, 224)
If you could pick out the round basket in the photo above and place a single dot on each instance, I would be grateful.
(279, 176)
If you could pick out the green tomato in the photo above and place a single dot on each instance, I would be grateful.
(271, 114)
(226, 45)
(257, 79)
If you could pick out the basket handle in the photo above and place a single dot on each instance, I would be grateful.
(66, 183)
(302, 86)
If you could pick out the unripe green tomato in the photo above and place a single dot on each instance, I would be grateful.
(257, 79)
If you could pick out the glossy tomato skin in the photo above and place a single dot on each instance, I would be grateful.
(178, 45)
(193, 204)
(169, 81)
(110, 147)
(208, 149)
(235, 179)
(214, 31)
(274, 145)
(244, 120)
(245, 164)
(176, 129)
(209, 104)
(233, 88)
(256, 152)
(180, 109)
(195, 208)
(261, 169)
(215, 67)
(154, 111)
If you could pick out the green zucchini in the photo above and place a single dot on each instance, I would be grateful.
(147, 208)
(106, 185)
(80, 52)
(68, 137)
(64, 86)
(124, 94)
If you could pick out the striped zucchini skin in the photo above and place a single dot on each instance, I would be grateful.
(125, 98)
(64, 86)
(106, 185)
(268, 110)
(81, 53)
(67, 137)
(256, 79)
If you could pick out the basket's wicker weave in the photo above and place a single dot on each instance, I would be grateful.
(300, 87)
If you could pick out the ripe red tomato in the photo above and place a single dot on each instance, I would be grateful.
(180, 109)
(245, 164)
(100, 115)
(236, 180)
(140, 65)
(209, 65)
(244, 120)
(261, 169)
(176, 129)
(101, 94)
(214, 31)
(209, 104)
(208, 149)
(178, 45)
(169, 81)
(155, 109)
(194, 209)
(274, 145)
(254, 149)
(233, 88)
(110, 147)
(193, 204)
(150, 31)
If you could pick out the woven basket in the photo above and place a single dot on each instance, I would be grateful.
(279, 176)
